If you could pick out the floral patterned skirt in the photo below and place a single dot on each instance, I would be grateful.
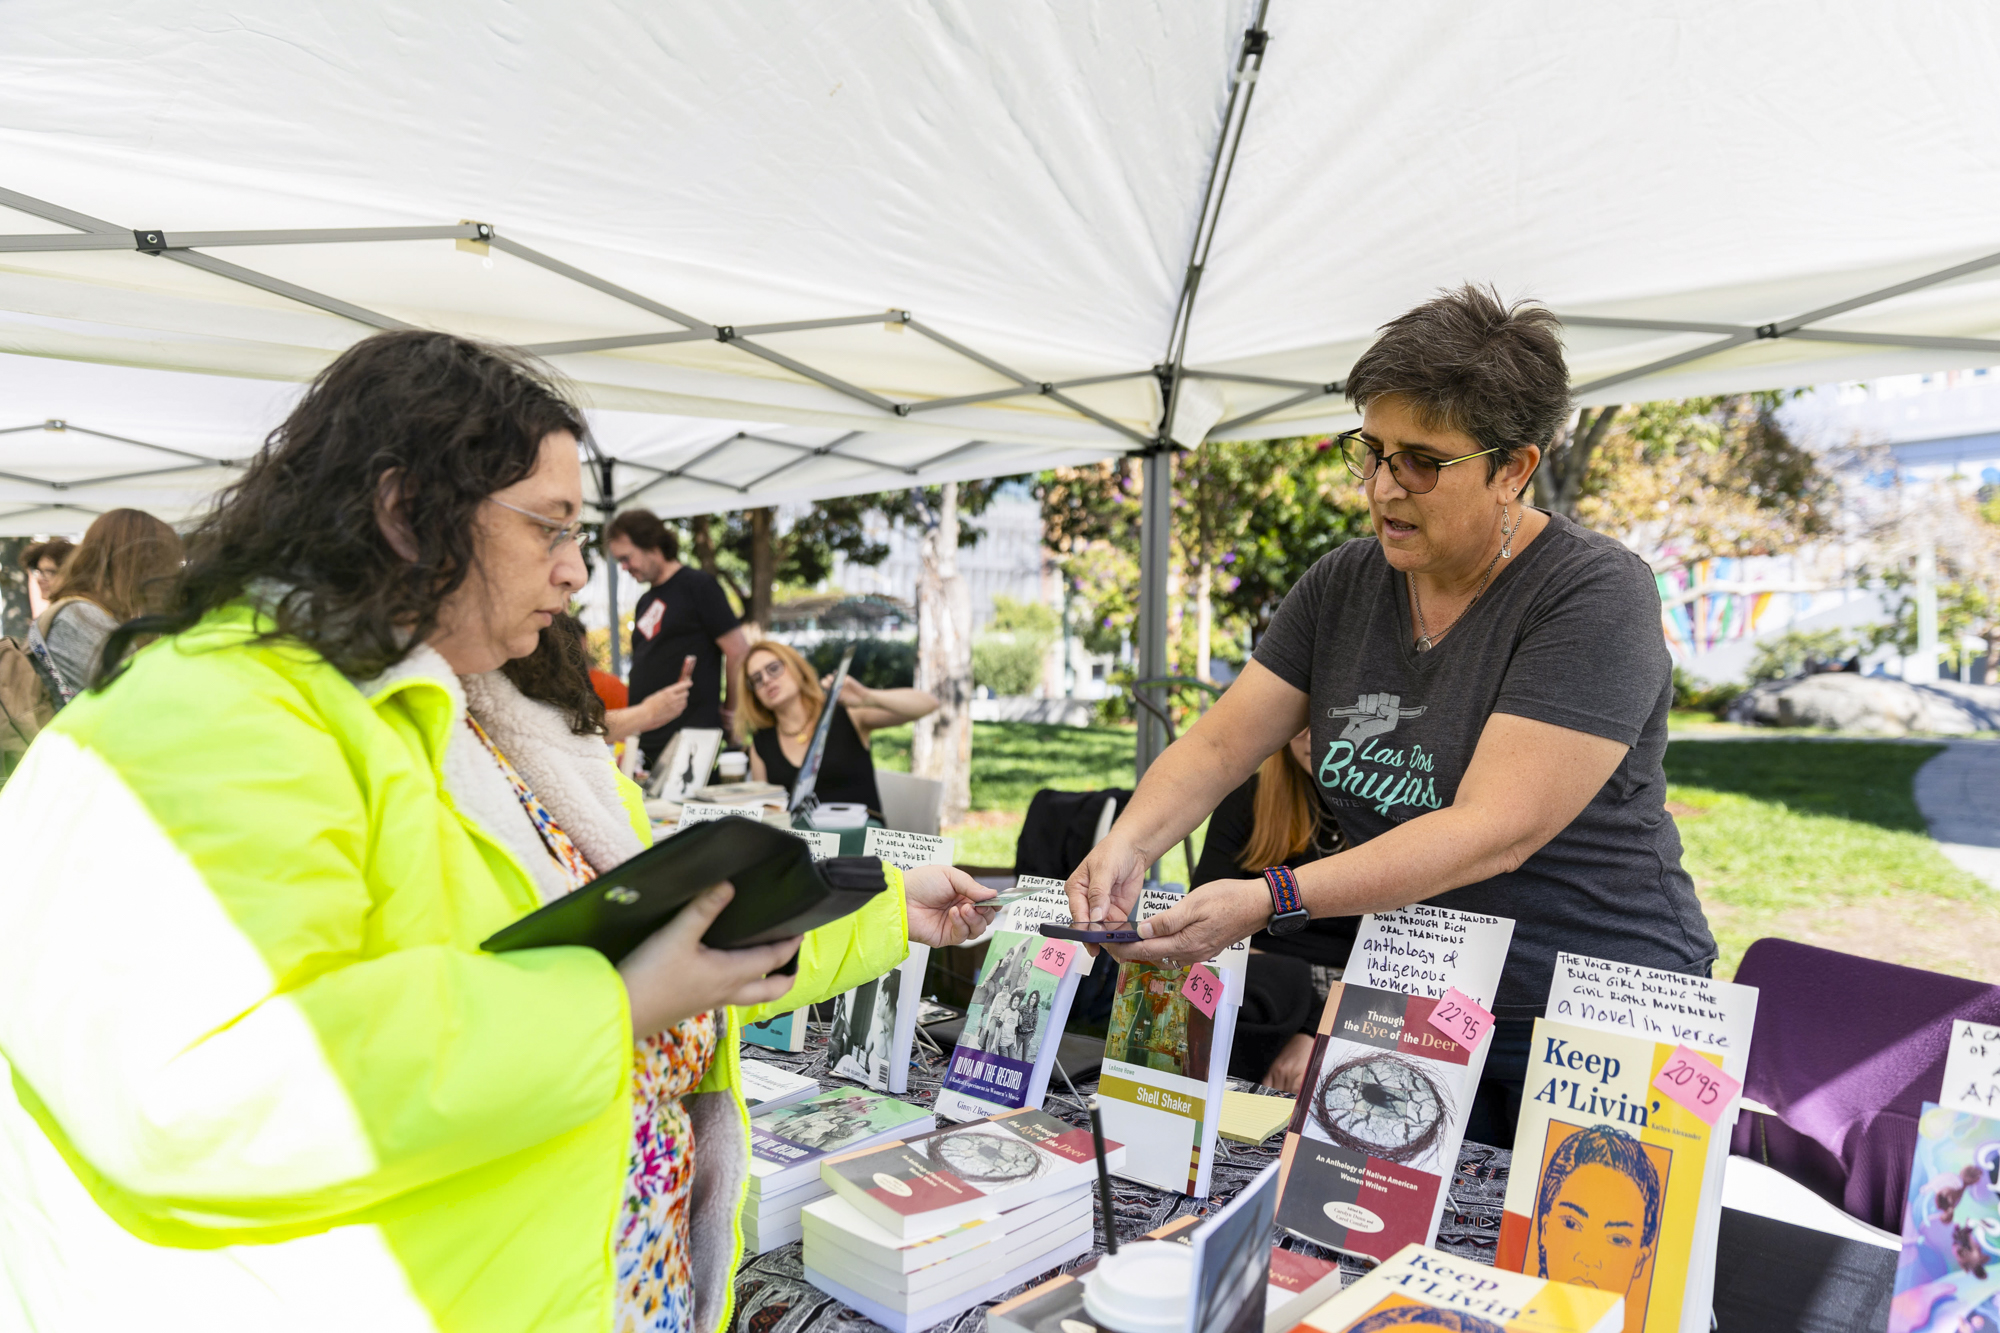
(655, 1282)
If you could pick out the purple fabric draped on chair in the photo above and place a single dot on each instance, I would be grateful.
(1847, 1050)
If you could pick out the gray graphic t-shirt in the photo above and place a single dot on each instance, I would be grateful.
(1569, 634)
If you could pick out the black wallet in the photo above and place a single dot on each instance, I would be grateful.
(780, 892)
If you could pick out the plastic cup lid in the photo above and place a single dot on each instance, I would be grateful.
(1142, 1289)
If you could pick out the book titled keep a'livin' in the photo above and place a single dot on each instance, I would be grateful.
(1616, 1122)
(1166, 1064)
(1019, 1005)
(1419, 1290)
(1375, 1134)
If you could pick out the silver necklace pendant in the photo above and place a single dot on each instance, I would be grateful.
(1424, 644)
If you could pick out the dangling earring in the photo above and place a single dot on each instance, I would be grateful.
(1507, 533)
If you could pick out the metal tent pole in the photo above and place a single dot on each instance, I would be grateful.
(1156, 513)
(1156, 517)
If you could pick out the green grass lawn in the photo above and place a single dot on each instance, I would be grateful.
(1818, 840)
(1011, 761)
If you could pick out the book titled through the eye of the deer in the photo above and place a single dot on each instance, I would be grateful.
(1374, 1136)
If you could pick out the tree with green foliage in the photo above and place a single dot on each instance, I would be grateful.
(1250, 517)
(1689, 480)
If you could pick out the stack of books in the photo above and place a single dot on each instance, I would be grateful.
(923, 1229)
(787, 1146)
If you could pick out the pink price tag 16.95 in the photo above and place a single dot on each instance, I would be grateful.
(1461, 1018)
(1697, 1084)
(1202, 989)
(1055, 956)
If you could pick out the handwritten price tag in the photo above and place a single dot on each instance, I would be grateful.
(1461, 1018)
(1056, 956)
(1703, 1088)
(1202, 989)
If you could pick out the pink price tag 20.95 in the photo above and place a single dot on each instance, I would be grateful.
(1702, 1087)
(1202, 989)
(1461, 1018)
(1055, 956)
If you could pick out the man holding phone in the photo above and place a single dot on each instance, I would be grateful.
(683, 629)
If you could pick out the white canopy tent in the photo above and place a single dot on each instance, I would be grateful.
(930, 228)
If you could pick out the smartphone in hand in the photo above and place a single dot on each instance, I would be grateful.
(1092, 932)
(687, 667)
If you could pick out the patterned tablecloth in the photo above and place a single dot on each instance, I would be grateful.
(772, 1295)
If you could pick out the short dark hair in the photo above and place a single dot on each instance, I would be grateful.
(457, 419)
(55, 548)
(1467, 362)
(643, 528)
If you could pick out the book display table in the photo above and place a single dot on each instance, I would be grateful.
(772, 1295)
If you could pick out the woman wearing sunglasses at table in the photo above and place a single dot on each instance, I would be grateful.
(782, 714)
(1486, 685)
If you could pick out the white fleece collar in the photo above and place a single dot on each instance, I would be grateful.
(571, 775)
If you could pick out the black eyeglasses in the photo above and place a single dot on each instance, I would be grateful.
(1415, 473)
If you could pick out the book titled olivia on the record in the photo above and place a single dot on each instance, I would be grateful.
(927, 1185)
(1013, 1025)
(1420, 1290)
(1374, 1136)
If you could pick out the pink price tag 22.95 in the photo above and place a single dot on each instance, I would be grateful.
(1202, 989)
(1703, 1088)
(1461, 1018)
(1055, 956)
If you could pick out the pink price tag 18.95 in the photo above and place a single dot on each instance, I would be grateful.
(1055, 956)
(1202, 989)
(1461, 1018)
(1697, 1084)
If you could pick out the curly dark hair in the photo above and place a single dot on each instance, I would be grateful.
(1467, 361)
(456, 419)
(558, 672)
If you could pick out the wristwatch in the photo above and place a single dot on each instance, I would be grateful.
(1288, 905)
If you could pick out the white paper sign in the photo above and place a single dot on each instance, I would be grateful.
(907, 851)
(1708, 1015)
(1972, 1069)
(703, 812)
(1046, 901)
(1424, 950)
(822, 844)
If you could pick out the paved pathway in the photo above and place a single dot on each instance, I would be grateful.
(1959, 794)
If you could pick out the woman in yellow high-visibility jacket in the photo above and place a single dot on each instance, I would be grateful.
(255, 1072)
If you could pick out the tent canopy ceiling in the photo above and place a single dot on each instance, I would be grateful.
(982, 200)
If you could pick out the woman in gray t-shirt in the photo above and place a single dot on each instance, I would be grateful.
(1486, 685)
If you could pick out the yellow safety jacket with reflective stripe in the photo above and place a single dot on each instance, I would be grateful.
(254, 1068)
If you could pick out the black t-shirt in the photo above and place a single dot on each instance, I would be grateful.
(675, 620)
(1568, 633)
(1326, 940)
(846, 769)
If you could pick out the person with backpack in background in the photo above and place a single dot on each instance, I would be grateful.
(42, 561)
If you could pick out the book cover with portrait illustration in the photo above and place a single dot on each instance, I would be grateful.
(1607, 1183)
(1948, 1277)
(1166, 1064)
(1420, 1290)
(1012, 1027)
